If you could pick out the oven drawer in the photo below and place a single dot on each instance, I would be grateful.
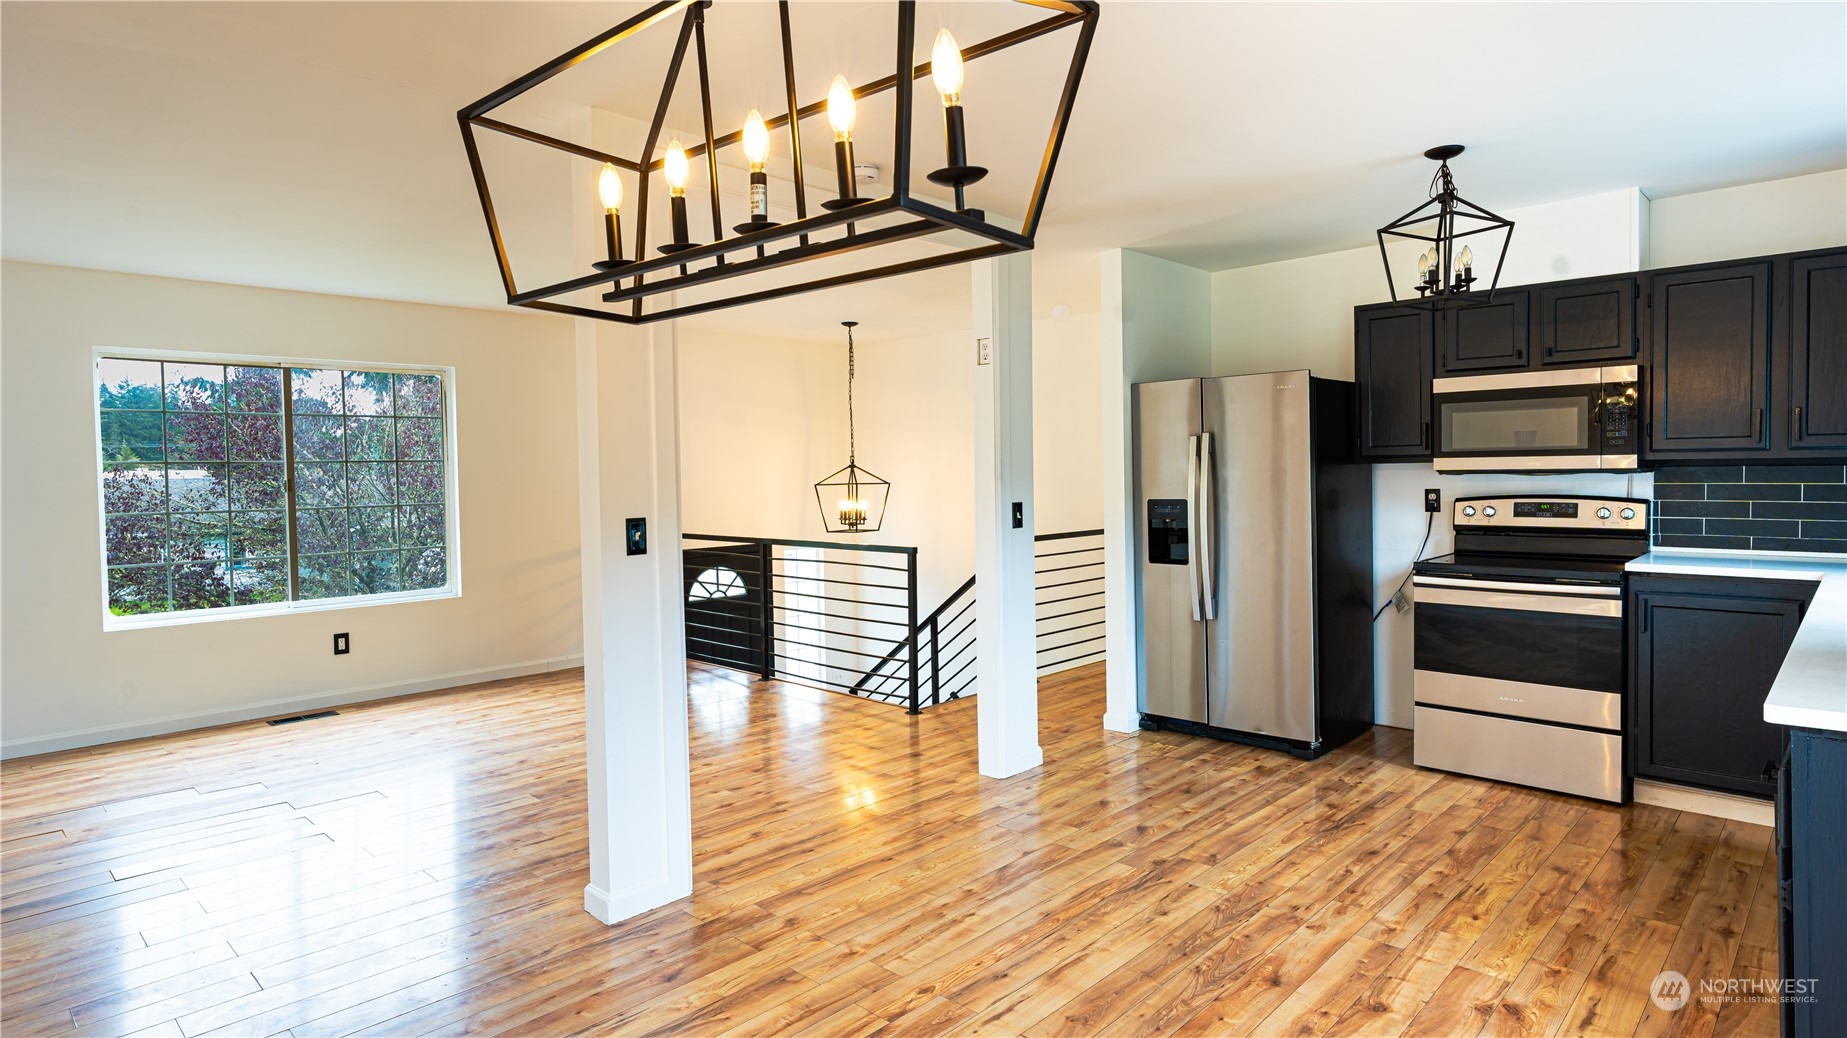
(1524, 699)
(1568, 760)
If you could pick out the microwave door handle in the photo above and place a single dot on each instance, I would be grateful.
(1208, 517)
(1192, 523)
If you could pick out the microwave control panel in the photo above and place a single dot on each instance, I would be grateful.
(1619, 418)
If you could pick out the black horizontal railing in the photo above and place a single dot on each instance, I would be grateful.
(820, 613)
(1068, 624)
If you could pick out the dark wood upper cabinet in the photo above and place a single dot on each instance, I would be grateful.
(1709, 370)
(1493, 335)
(1392, 358)
(1587, 321)
(1817, 417)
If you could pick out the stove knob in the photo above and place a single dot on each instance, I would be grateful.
(1628, 513)
(1603, 513)
(1488, 511)
(1468, 510)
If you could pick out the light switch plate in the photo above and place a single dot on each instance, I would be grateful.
(637, 536)
(1019, 515)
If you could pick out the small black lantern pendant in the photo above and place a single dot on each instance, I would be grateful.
(1433, 292)
(946, 71)
(852, 499)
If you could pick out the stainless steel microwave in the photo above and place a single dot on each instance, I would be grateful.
(1562, 420)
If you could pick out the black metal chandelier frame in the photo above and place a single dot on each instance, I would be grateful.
(652, 276)
(1439, 293)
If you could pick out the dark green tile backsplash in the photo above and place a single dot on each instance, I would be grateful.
(1755, 507)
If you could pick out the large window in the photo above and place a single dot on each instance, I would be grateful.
(229, 485)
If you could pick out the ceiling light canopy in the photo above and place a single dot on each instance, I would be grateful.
(756, 259)
(1443, 220)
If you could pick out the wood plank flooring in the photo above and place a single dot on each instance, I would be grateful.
(416, 866)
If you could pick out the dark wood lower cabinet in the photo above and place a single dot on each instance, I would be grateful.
(1704, 654)
(1811, 863)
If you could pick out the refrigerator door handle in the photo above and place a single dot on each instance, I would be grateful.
(1192, 523)
(1208, 517)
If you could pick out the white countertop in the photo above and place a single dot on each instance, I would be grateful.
(1811, 689)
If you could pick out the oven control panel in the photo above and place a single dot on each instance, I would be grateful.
(1550, 513)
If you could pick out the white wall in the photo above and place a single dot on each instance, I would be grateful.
(1750, 220)
(65, 682)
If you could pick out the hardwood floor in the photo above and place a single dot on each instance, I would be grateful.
(416, 866)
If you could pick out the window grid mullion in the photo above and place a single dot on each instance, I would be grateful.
(288, 481)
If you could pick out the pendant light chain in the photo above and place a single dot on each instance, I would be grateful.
(852, 446)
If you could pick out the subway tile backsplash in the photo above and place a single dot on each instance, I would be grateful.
(1755, 507)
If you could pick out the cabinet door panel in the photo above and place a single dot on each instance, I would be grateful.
(1493, 335)
(1711, 356)
(1703, 667)
(1392, 361)
(1818, 354)
(1594, 321)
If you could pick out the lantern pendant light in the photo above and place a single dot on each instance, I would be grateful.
(852, 500)
(1454, 218)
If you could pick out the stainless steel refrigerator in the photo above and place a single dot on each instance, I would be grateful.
(1254, 560)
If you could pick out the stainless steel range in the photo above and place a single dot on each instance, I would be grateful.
(1520, 642)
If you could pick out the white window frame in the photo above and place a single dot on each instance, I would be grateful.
(452, 499)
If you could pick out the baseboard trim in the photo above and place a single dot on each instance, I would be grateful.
(1705, 802)
(1125, 723)
(611, 909)
(273, 707)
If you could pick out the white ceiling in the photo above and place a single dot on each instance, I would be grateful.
(314, 146)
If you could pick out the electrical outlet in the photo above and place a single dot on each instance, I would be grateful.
(1433, 500)
(342, 644)
(984, 350)
(1400, 602)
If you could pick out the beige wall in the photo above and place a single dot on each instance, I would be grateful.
(1750, 220)
(64, 681)
(762, 419)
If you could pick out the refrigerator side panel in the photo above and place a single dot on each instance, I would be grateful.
(1166, 416)
(1260, 651)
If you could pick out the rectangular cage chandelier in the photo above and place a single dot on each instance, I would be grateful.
(655, 276)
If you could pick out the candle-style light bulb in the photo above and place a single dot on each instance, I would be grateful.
(757, 152)
(609, 188)
(675, 168)
(1468, 258)
(756, 141)
(1423, 265)
(841, 109)
(946, 67)
(609, 191)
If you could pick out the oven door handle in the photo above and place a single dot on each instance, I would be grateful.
(1478, 599)
(1598, 590)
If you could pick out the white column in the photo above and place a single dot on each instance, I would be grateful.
(1007, 704)
(641, 842)
(1122, 639)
